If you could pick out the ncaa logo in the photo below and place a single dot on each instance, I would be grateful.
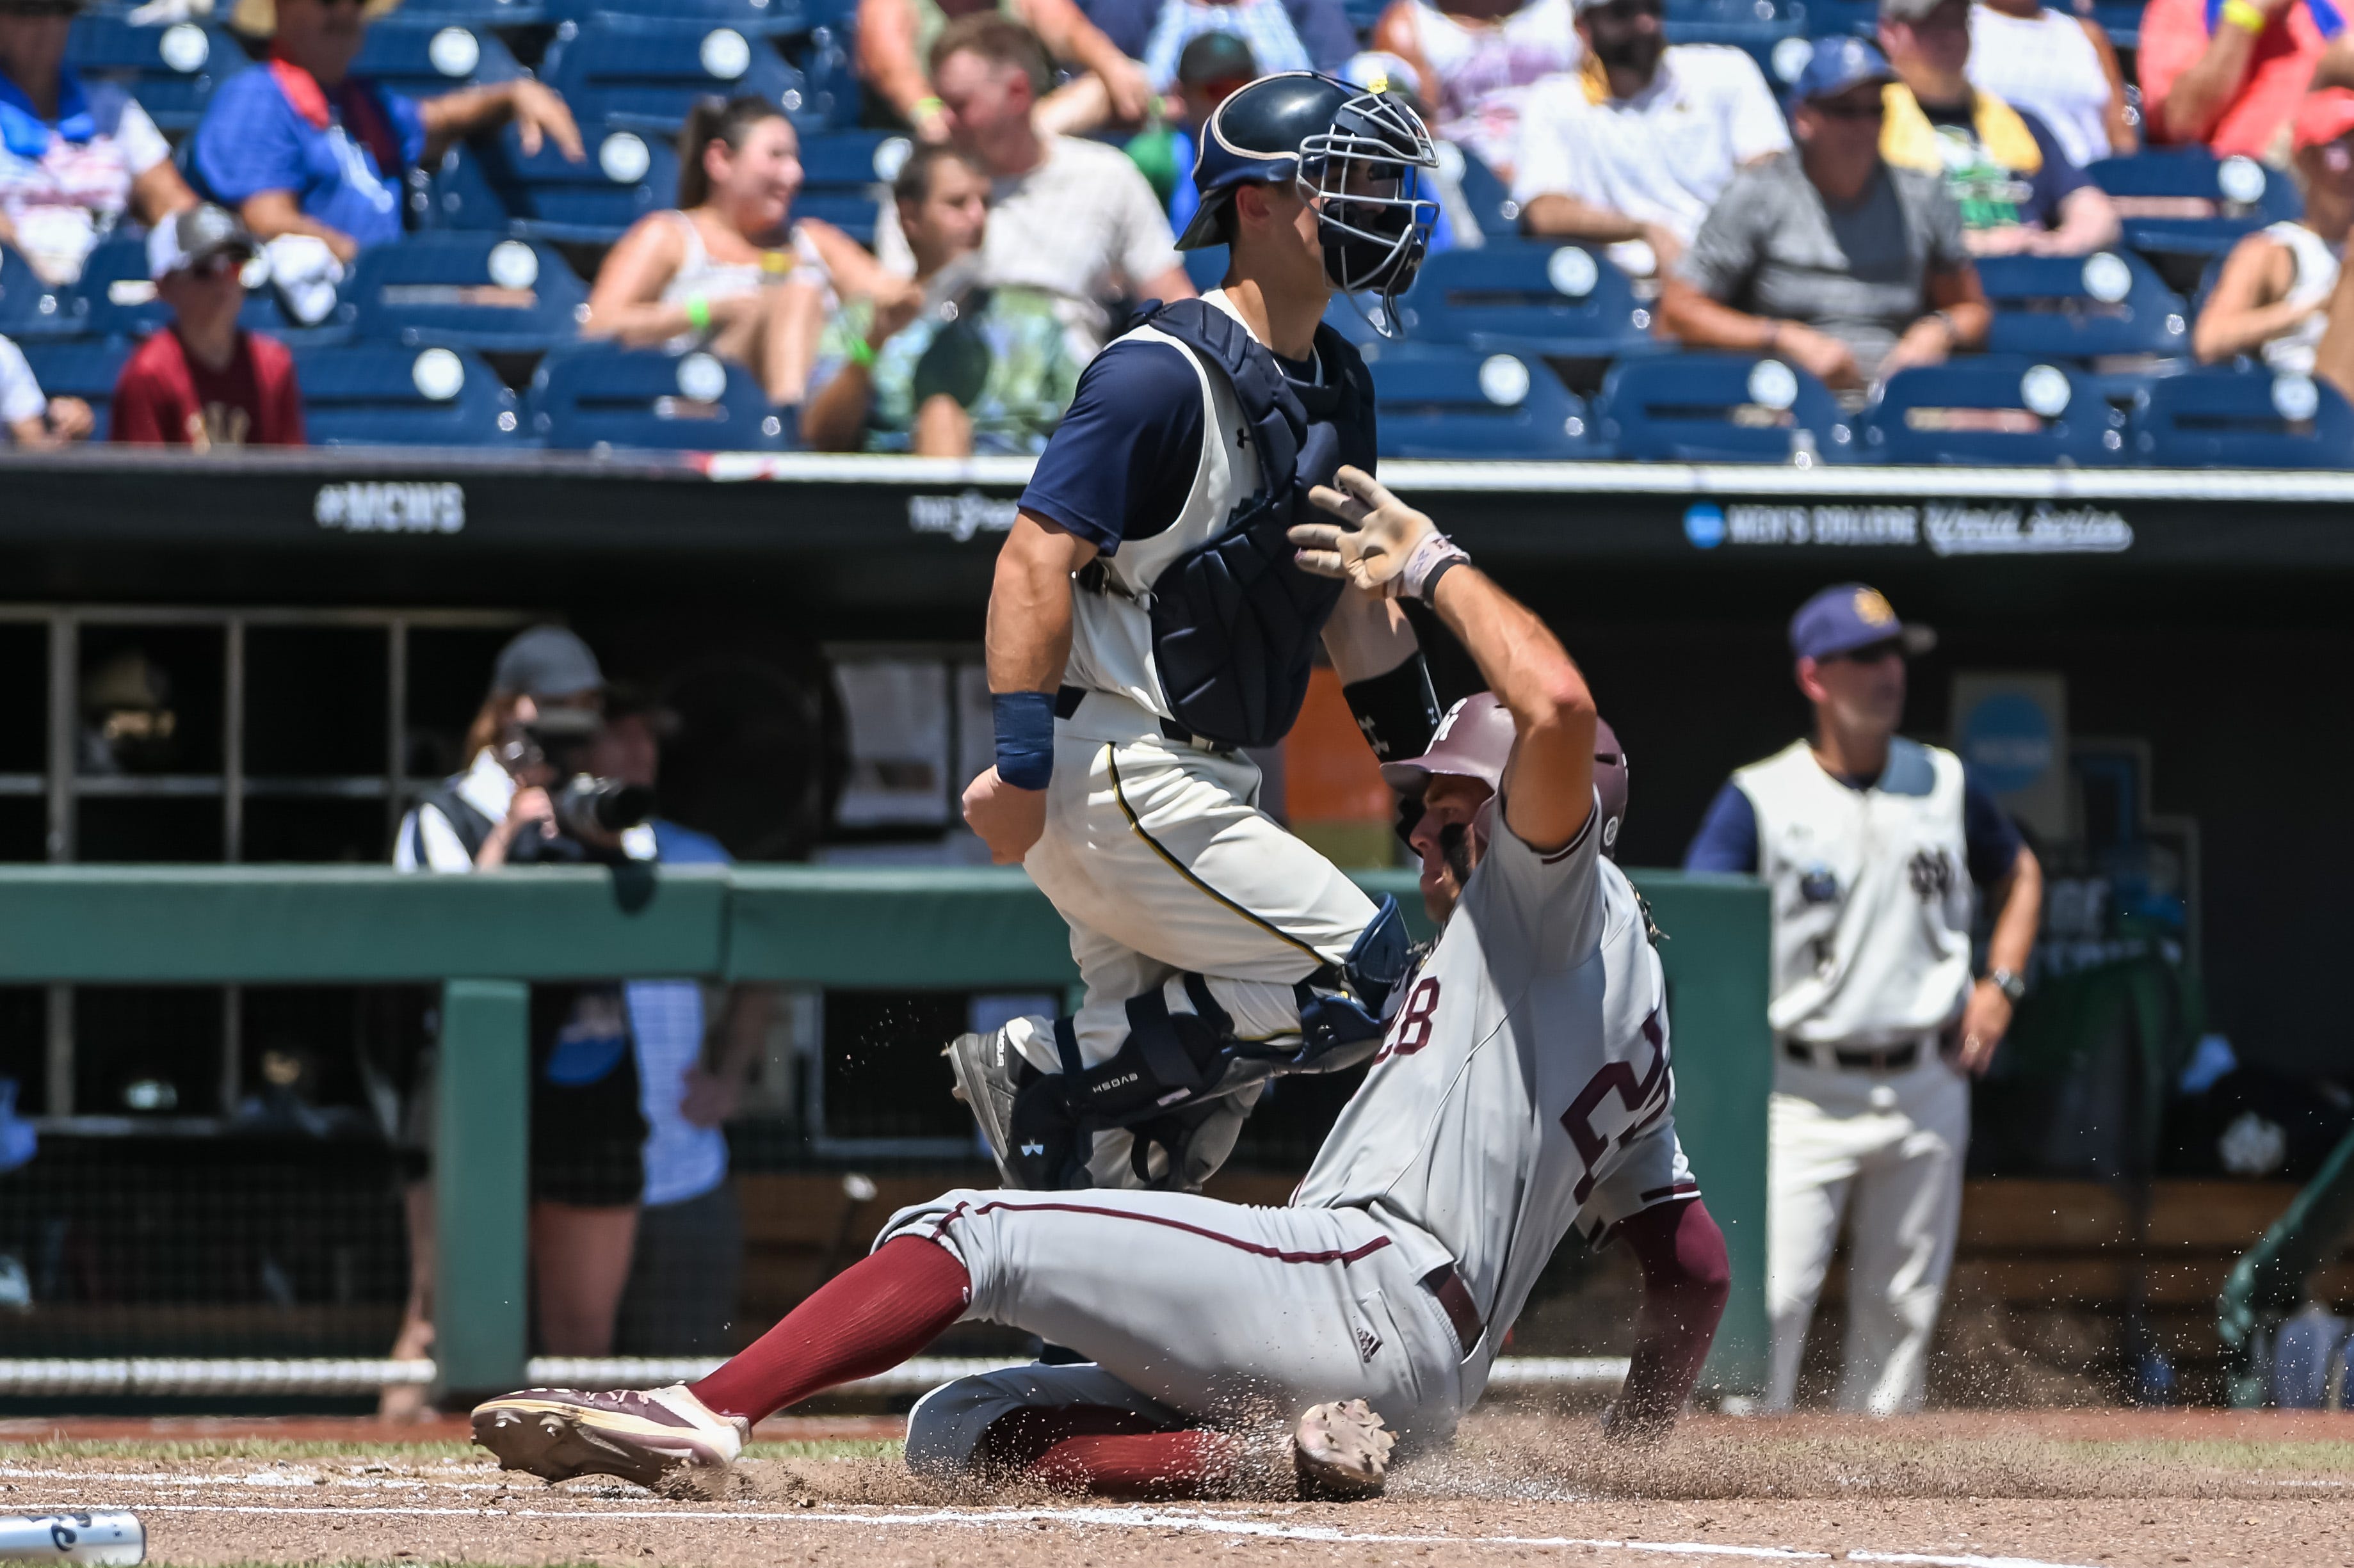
(1704, 524)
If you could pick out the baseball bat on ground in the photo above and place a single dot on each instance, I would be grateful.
(106, 1536)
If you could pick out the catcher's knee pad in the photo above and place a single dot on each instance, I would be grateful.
(1334, 1016)
(1169, 1060)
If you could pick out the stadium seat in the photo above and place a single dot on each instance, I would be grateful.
(1207, 267)
(654, 68)
(1562, 302)
(494, 187)
(1446, 400)
(464, 289)
(2078, 307)
(118, 299)
(2222, 418)
(30, 308)
(1720, 407)
(598, 395)
(375, 394)
(845, 174)
(2014, 411)
(478, 13)
(170, 70)
(1491, 200)
(2192, 203)
(1774, 33)
(87, 369)
(765, 16)
(424, 55)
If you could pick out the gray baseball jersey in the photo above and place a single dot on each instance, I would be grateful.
(1524, 1086)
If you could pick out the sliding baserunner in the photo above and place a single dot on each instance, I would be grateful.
(1523, 1087)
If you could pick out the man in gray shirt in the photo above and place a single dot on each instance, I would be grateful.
(1831, 260)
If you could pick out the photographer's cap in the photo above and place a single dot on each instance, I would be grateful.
(1849, 616)
(546, 662)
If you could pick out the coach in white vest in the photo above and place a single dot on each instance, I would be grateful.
(1875, 848)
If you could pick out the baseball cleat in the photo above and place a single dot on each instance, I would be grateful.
(1342, 1451)
(642, 1435)
(989, 1070)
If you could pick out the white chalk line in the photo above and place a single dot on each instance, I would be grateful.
(1134, 1518)
(289, 1481)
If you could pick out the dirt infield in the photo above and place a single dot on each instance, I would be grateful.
(1972, 1491)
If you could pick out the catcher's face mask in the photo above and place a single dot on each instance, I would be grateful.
(1365, 178)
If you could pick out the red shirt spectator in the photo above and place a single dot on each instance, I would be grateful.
(2207, 75)
(203, 382)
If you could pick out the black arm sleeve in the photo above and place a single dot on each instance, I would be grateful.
(1398, 712)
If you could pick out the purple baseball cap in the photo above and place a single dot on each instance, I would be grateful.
(1849, 616)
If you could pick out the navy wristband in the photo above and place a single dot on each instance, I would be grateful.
(1025, 737)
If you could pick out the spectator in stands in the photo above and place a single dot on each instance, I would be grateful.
(2276, 284)
(1478, 63)
(2230, 73)
(301, 146)
(730, 269)
(1075, 219)
(587, 1132)
(2017, 190)
(75, 158)
(898, 43)
(1321, 28)
(689, 1255)
(2059, 67)
(951, 370)
(1265, 25)
(204, 381)
(1831, 260)
(1208, 69)
(32, 418)
(1642, 142)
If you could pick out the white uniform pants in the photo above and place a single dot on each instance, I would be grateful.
(1888, 1147)
(1158, 855)
(1193, 1312)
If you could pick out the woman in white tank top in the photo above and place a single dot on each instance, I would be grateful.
(1477, 60)
(2273, 296)
(728, 270)
(2059, 68)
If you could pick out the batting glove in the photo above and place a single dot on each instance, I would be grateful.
(1386, 548)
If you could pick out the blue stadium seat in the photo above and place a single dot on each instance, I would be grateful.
(2233, 196)
(170, 70)
(2224, 418)
(654, 67)
(2121, 19)
(478, 13)
(1563, 302)
(494, 187)
(118, 299)
(845, 174)
(1774, 33)
(1491, 200)
(374, 393)
(87, 369)
(598, 395)
(472, 290)
(1207, 266)
(1445, 400)
(1838, 18)
(2077, 307)
(1720, 407)
(2003, 409)
(30, 308)
(425, 56)
(764, 16)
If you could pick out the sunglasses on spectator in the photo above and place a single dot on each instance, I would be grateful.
(219, 264)
(1873, 652)
(1628, 10)
(1851, 109)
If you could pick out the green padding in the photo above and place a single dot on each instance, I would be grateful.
(873, 926)
(177, 925)
(481, 1163)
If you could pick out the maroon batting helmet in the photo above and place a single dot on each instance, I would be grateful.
(1475, 741)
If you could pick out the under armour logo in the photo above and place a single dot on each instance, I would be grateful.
(1031, 1150)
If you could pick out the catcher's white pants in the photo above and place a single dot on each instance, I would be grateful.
(1193, 1312)
(1158, 854)
(1888, 1147)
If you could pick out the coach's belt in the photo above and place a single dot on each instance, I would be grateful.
(1454, 1301)
(1068, 698)
(1887, 1059)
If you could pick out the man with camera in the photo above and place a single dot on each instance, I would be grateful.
(528, 796)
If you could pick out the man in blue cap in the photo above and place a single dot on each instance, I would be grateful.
(1874, 847)
(1832, 261)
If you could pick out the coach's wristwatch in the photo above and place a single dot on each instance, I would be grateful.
(2009, 982)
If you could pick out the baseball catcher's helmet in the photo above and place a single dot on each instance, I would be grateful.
(1357, 155)
(1475, 741)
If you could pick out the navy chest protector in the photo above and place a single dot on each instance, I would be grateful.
(1235, 621)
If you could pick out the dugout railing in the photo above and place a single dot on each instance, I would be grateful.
(484, 939)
